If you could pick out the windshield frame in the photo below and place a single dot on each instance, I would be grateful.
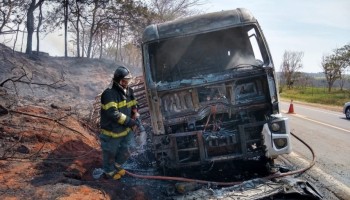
(172, 51)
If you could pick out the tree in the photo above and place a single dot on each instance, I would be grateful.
(65, 14)
(302, 80)
(134, 17)
(10, 15)
(342, 79)
(77, 10)
(94, 24)
(58, 16)
(5, 13)
(291, 64)
(334, 65)
(10, 19)
(19, 22)
(331, 69)
(110, 26)
(40, 19)
(100, 28)
(30, 24)
(167, 10)
(131, 55)
(343, 55)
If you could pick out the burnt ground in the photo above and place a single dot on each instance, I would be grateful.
(48, 147)
(50, 154)
(54, 159)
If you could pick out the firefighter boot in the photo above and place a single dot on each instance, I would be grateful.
(114, 175)
(120, 170)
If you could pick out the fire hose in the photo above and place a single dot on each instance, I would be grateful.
(171, 178)
(98, 172)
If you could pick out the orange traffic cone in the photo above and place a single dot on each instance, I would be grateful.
(291, 108)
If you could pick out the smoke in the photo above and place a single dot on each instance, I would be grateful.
(53, 44)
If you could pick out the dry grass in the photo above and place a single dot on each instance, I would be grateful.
(320, 96)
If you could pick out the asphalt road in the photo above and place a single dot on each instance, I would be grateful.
(328, 133)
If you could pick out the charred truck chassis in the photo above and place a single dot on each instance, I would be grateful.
(211, 90)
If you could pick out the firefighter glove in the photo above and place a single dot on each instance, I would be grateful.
(131, 123)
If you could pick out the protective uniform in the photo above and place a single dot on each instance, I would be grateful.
(117, 105)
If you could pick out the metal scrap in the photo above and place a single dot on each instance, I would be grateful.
(255, 189)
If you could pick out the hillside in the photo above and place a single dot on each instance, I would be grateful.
(65, 78)
(48, 149)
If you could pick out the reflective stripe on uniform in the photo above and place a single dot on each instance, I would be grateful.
(132, 103)
(115, 135)
(109, 105)
(118, 105)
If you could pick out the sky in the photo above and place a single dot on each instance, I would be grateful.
(315, 27)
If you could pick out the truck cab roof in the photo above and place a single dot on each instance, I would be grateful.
(204, 23)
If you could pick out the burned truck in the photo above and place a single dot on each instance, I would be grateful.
(212, 91)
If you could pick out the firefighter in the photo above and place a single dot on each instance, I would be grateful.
(118, 107)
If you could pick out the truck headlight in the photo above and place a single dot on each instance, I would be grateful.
(280, 142)
(275, 127)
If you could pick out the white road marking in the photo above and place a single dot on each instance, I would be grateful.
(334, 185)
(304, 117)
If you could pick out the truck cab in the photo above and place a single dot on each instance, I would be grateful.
(212, 91)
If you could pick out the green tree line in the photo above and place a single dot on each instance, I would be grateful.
(96, 28)
(334, 66)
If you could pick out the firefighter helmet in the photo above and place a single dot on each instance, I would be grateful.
(121, 73)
